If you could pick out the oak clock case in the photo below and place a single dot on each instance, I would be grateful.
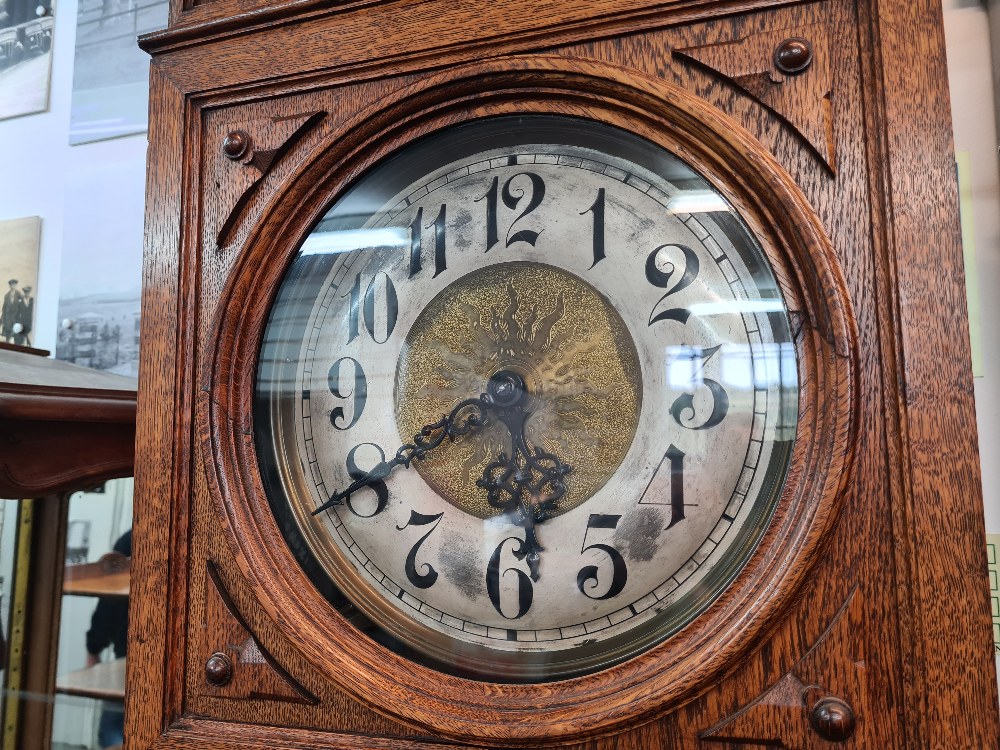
(587, 363)
(657, 291)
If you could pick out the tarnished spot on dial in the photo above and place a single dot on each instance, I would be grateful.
(562, 337)
(463, 567)
(461, 220)
(639, 534)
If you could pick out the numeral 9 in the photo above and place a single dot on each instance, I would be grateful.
(359, 394)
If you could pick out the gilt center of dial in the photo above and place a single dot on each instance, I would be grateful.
(535, 338)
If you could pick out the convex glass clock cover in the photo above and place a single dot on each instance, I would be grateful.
(526, 398)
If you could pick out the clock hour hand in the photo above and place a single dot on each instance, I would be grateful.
(528, 484)
(465, 417)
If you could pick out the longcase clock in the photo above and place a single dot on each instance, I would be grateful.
(572, 374)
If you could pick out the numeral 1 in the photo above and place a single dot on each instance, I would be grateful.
(598, 210)
(416, 241)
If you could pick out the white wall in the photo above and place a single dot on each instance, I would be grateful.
(39, 171)
(972, 95)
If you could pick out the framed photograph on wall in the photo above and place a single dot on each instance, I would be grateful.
(100, 289)
(110, 72)
(25, 56)
(19, 244)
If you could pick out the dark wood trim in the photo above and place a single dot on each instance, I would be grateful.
(218, 19)
(61, 426)
(151, 705)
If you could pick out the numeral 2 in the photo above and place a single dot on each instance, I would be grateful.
(661, 279)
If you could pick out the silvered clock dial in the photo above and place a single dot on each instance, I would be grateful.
(526, 399)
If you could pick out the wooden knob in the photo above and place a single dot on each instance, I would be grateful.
(832, 719)
(218, 669)
(236, 145)
(793, 56)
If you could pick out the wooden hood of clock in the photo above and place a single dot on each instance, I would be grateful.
(262, 112)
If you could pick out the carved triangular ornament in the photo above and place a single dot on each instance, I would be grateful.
(247, 152)
(801, 98)
(237, 667)
(817, 704)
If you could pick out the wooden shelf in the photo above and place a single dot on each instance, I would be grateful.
(105, 680)
(109, 576)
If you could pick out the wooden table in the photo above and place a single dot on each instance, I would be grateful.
(105, 680)
(107, 584)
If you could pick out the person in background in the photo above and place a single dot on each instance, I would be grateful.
(27, 312)
(109, 627)
(10, 312)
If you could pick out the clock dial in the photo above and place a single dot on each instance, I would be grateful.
(526, 399)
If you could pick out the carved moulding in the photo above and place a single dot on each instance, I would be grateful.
(674, 671)
(253, 673)
(788, 71)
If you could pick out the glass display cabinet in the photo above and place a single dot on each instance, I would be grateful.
(63, 428)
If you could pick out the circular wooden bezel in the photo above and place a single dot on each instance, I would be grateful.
(674, 671)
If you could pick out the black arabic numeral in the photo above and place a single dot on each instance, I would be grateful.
(525, 590)
(379, 487)
(352, 318)
(391, 308)
(416, 245)
(676, 458)
(492, 235)
(661, 278)
(367, 312)
(359, 393)
(683, 406)
(589, 573)
(598, 210)
(511, 198)
(416, 241)
(420, 580)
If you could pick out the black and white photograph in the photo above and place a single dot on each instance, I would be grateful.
(101, 270)
(25, 56)
(19, 242)
(110, 72)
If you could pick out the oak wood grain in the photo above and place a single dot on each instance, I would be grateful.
(883, 507)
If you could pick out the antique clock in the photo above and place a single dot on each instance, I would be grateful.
(571, 374)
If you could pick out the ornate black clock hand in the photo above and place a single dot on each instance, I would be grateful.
(465, 417)
(528, 484)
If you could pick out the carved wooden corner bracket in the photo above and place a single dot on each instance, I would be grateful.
(241, 147)
(819, 701)
(788, 71)
(236, 665)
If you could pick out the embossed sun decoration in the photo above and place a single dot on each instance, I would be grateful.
(524, 339)
(565, 344)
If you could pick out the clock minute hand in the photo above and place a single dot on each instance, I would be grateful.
(465, 417)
